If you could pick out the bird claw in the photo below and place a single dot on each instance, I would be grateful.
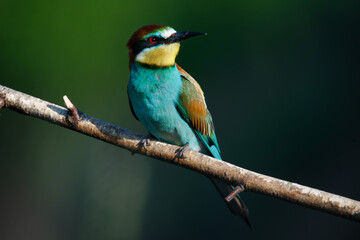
(180, 152)
(144, 142)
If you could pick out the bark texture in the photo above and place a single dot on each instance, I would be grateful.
(203, 164)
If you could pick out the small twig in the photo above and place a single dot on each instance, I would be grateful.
(72, 115)
(236, 191)
(2, 100)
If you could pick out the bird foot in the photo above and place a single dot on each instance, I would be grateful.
(180, 152)
(144, 142)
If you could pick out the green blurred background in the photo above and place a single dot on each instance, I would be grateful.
(282, 83)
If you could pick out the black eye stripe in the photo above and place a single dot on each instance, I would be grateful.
(145, 43)
(139, 46)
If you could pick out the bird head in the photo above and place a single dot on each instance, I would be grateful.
(157, 45)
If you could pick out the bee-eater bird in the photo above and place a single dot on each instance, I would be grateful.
(169, 102)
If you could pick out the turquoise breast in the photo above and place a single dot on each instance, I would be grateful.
(153, 93)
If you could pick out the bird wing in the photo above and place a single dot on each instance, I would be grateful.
(192, 107)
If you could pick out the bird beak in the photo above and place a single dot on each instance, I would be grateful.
(179, 36)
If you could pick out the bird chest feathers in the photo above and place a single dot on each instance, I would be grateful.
(153, 91)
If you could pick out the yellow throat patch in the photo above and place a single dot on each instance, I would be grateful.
(160, 56)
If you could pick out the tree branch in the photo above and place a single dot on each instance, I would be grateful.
(203, 164)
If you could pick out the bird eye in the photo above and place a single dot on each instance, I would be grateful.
(152, 39)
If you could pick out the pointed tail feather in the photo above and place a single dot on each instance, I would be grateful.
(236, 205)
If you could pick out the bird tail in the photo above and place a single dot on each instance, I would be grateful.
(236, 205)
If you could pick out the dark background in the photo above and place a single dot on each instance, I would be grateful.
(282, 83)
